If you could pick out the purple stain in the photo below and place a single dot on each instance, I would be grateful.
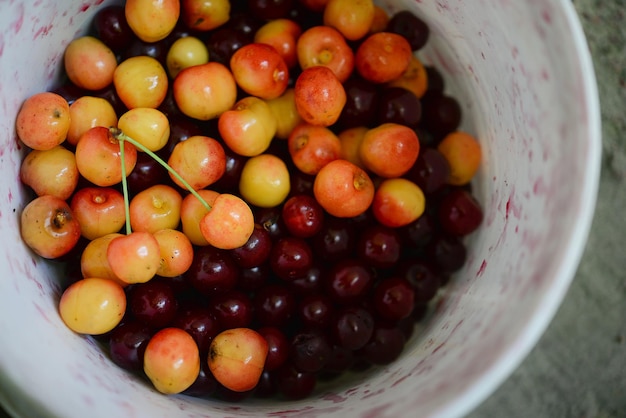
(439, 347)
(373, 394)
(540, 188)
(42, 313)
(42, 31)
(399, 381)
(512, 207)
(482, 268)
(334, 398)
(19, 21)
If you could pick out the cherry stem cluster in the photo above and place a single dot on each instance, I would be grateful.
(121, 137)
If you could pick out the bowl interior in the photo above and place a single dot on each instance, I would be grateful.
(523, 75)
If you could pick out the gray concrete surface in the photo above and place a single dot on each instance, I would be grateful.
(578, 368)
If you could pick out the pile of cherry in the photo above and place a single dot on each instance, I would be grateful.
(329, 294)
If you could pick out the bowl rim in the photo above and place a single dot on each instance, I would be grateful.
(514, 353)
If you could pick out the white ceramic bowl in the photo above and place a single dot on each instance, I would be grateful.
(526, 83)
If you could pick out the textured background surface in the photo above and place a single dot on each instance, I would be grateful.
(578, 369)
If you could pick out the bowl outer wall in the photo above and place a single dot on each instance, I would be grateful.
(531, 100)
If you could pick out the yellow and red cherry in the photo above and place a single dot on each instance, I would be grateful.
(152, 20)
(92, 306)
(185, 52)
(398, 202)
(87, 112)
(134, 258)
(50, 172)
(171, 360)
(146, 125)
(89, 63)
(343, 189)
(204, 15)
(237, 358)
(319, 96)
(141, 81)
(312, 147)
(43, 121)
(285, 113)
(94, 261)
(155, 208)
(48, 226)
(326, 46)
(205, 91)
(249, 127)
(229, 223)
(260, 70)
(176, 252)
(99, 211)
(99, 159)
(389, 150)
(199, 160)
(192, 211)
(353, 18)
(383, 57)
(265, 181)
(282, 34)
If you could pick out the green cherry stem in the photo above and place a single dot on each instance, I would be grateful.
(122, 137)
(125, 189)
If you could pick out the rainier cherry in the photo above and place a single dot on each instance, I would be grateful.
(398, 202)
(43, 121)
(185, 52)
(260, 70)
(389, 150)
(192, 211)
(249, 127)
(155, 208)
(99, 159)
(319, 95)
(176, 252)
(49, 227)
(204, 15)
(463, 153)
(353, 18)
(99, 210)
(205, 91)
(237, 357)
(265, 181)
(200, 160)
(94, 261)
(343, 189)
(89, 63)
(323, 45)
(383, 47)
(141, 81)
(312, 147)
(146, 125)
(134, 258)
(51, 172)
(229, 223)
(151, 20)
(171, 360)
(92, 306)
(87, 112)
